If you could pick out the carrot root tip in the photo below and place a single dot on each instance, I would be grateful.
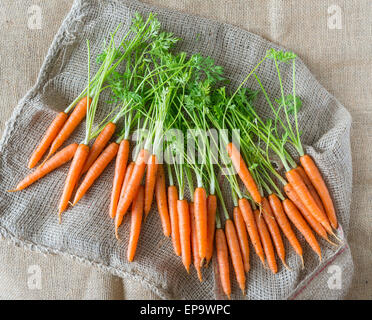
(302, 262)
(202, 262)
(13, 190)
(263, 263)
(287, 266)
(337, 238)
(332, 243)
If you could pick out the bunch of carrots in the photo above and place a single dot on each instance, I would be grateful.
(160, 93)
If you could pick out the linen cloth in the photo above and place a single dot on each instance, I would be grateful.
(340, 254)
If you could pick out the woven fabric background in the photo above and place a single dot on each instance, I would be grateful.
(51, 94)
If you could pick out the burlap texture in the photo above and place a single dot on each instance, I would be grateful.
(232, 62)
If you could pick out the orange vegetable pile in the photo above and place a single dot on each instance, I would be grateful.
(158, 92)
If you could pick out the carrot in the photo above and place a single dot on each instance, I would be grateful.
(185, 231)
(281, 218)
(235, 253)
(98, 145)
(266, 242)
(128, 174)
(243, 172)
(223, 261)
(150, 181)
(311, 188)
(314, 224)
(211, 222)
(294, 215)
(319, 184)
(96, 170)
(77, 164)
(242, 237)
(173, 214)
(299, 186)
(120, 169)
(161, 200)
(132, 187)
(200, 202)
(274, 230)
(252, 229)
(48, 138)
(70, 125)
(54, 162)
(136, 221)
(194, 243)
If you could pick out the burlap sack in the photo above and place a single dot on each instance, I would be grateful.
(29, 218)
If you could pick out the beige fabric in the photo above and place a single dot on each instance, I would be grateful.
(340, 59)
(86, 233)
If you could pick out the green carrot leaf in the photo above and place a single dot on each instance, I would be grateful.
(288, 102)
(282, 56)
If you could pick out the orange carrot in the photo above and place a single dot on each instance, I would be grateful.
(128, 174)
(310, 186)
(200, 202)
(281, 218)
(223, 261)
(161, 200)
(274, 230)
(252, 229)
(314, 224)
(77, 164)
(235, 253)
(194, 243)
(299, 186)
(172, 205)
(294, 215)
(243, 172)
(242, 236)
(132, 187)
(120, 169)
(185, 231)
(152, 167)
(136, 221)
(96, 170)
(316, 178)
(70, 125)
(48, 138)
(266, 242)
(99, 144)
(211, 221)
(60, 158)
